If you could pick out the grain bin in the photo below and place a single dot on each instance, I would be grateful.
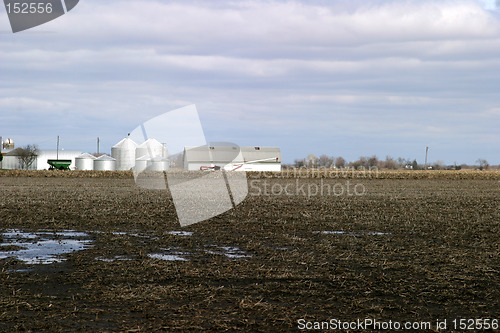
(151, 148)
(84, 162)
(158, 164)
(105, 163)
(124, 153)
(141, 163)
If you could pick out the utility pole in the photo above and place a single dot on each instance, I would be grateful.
(97, 146)
(57, 153)
(426, 150)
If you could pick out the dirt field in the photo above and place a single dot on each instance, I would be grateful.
(419, 248)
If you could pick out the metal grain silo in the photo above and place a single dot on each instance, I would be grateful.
(158, 164)
(105, 163)
(151, 148)
(124, 153)
(141, 163)
(84, 162)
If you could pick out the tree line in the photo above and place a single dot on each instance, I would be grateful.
(367, 162)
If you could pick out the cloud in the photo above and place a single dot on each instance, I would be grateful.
(263, 71)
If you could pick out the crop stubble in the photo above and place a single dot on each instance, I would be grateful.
(437, 255)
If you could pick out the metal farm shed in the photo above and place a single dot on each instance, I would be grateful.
(232, 158)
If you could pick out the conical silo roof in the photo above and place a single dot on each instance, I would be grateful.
(86, 156)
(152, 148)
(126, 143)
(105, 158)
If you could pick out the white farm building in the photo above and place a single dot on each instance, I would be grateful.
(11, 160)
(232, 158)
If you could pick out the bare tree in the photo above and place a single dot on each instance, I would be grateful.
(27, 155)
(325, 161)
(372, 161)
(340, 162)
(483, 164)
(390, 163)
(439, 165)
(299, 163)
(312, 160)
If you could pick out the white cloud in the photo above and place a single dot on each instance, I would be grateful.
(406, 70)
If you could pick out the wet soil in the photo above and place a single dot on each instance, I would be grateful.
(406, 250)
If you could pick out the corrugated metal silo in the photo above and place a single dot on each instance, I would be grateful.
(141, 163)
(151, 148)
(105, 163)
(84, 162)
(158, 164)
(124, 153)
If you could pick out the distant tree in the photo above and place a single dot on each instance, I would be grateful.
(403, 162)
(372, 161)
(483, 164)
(340, 162)
(312, 160)
(299, 163)
(439, 165)
(325, 161)
(362, 162)
(27, 155)
(390, 163)
(414, 165)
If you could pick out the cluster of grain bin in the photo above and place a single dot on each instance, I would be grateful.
(105, 163)
(84, 162)
(149, 155)
(128, 155)
(89, 162)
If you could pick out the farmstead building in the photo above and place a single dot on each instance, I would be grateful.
(11, 160)
(232, 158)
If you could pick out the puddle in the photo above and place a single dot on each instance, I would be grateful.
(180, 233)
(231, 252)
(171, 255)
(361, 233)
(167, 257)
(328, 232)
(115, 258)
(42, 247)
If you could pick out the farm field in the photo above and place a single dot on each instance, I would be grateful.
(413, 247)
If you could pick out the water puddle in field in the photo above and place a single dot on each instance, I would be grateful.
(135, 234)
(41, 247)
(170, 254)
(115, 258)
(230, 252)
(180, 233)
(360, 233)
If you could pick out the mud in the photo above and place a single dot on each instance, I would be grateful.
(407, 250)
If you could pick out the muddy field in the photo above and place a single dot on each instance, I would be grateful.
(407, 249)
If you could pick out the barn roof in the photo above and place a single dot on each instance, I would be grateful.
(226, 154)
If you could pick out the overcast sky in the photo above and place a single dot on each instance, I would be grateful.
(343, 78)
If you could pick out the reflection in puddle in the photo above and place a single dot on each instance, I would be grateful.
(171, 254)
(42, 247)
(115, 258)
(231, 252)
(180, 233)
(168, 257)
